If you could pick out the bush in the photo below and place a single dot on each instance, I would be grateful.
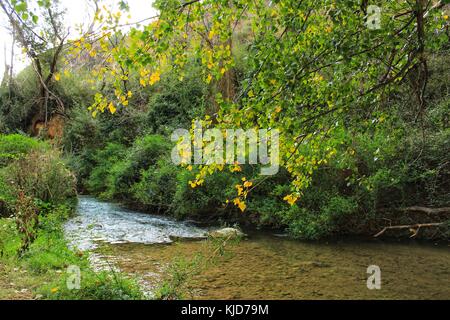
(81, 132)
(49, 251)
(41, 175)
(6, 197)
(330, 220)
(15, 146)
(145, 152)
(9, 238)
(105, 159)
(157, 186)
(176, 103)
(206, 201)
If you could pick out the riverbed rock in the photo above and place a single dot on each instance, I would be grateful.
(187, 239)
(227, 233)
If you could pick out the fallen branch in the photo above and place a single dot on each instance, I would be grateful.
(414, 228)
(427, 210)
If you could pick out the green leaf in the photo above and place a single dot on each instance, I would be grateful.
(21, 7)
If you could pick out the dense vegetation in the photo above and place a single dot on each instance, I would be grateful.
(362, 111)
(377, 151)
(378, 171)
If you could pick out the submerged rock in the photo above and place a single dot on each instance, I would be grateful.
(187, 238)
(230, 233)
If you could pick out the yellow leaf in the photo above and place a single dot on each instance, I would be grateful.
(236, 168)
(248, 184)
(239, 189)
(112, 108)
(291, 199)
(251, 94)
(155, 77)
(57, 76)
(241, 205)
(143, 73)
(54, 290)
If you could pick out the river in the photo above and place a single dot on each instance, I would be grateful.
(264, 266)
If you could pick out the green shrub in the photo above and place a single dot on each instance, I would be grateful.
(175, 286)
(6, 197)
(81, 132)
(207, 200)
(105, 159)
(49, 251)
(15, 146)
(176, 103)
(145, 152)
(157, 186)
(9, 238)
(41, 175)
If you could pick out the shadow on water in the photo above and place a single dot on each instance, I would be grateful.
(266, 266)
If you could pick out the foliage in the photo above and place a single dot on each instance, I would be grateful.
(42, 175)
(26, 218)
(145, 152)
(105, 160)
(156, 187)
(362, 112)
(317, 63)
(16, 146)
(9, 239)
(97, 286)
(176, 103)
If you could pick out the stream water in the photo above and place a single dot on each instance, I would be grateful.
(264, 266)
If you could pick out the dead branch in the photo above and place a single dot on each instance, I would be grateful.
(414, 228)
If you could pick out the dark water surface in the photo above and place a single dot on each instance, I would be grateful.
(263, 266)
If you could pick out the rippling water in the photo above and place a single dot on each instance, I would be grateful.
(98, 221)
